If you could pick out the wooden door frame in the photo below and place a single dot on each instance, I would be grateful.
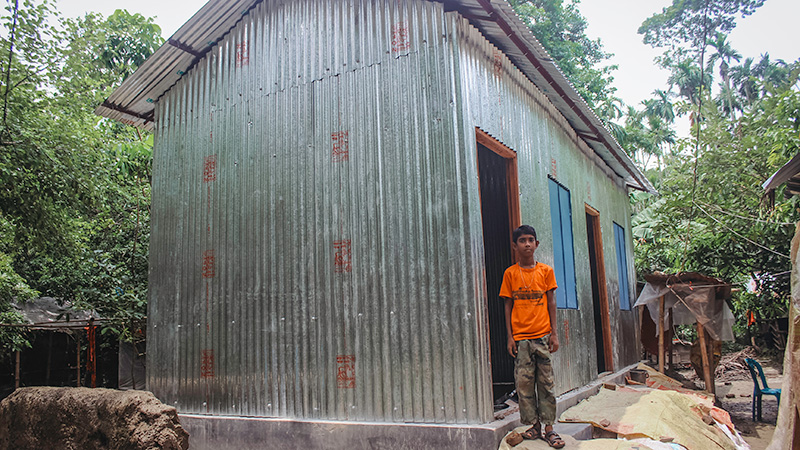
(512, 177)
(602, 293)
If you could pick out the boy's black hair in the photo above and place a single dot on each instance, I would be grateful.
(523, 229)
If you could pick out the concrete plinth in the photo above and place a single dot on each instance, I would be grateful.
(242, 433)
(246, 433)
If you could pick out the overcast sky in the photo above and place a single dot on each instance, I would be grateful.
(614, 22)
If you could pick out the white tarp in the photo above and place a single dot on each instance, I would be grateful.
(689, 304)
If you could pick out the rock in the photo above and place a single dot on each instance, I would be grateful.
(728, 383)
(513, 438)
(708, 420)
(90, 419)
(744, 395)
(730, 395)
(666, 439)
(611, 386)
(605, 422)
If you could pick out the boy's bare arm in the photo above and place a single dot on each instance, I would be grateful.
(512, 344)
(551, 310)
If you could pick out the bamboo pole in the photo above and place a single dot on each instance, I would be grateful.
(701, 333)
(661, 334)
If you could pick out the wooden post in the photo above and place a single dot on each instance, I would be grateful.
(661, 334)
(16, 372)
(79, 359)
(669, 343)
(701, 333)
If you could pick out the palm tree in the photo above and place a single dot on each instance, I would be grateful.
(724, 53)
(729, 102)
(743, 76)
(660, 106)
(772, 73)
(610, 108)
(687, 77)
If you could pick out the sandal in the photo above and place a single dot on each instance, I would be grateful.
(553, 439)
(534, 432)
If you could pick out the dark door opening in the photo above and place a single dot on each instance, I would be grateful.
(602, 330)
(500, 215)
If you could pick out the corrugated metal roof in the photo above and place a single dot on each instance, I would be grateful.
(133, 102)
(786, 173)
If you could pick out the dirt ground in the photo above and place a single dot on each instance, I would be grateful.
(757, 434)
(735, 393)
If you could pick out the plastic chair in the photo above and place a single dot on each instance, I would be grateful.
(758, 391)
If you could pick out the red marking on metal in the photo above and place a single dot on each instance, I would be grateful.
(209, 264)
(341, 146)
(207, 364)
(211, 137)
(400, 41)
(210, 169)
(208, 205)
(242, 54)
(346, 371)
(553, 171)
(498, 62)
(566, 331)
(342, 256)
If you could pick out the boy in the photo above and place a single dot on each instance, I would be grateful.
(528, 290)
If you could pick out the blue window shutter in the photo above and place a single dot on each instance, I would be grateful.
(569, 252)
(622, 267)
(558, 246)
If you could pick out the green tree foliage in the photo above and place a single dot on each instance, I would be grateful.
(74, 203)
(559, 26)
(733, 234)
(692, 21)
(711, 215)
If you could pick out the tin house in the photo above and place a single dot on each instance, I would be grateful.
(334, 188)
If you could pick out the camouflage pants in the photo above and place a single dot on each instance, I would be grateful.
(533, 373)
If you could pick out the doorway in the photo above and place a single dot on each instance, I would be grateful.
(602, 327)
(499, 194)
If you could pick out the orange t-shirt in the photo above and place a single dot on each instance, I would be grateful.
(527, 287)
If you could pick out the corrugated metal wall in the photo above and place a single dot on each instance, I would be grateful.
(316, 230)
(317, 247)
(501, 101)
